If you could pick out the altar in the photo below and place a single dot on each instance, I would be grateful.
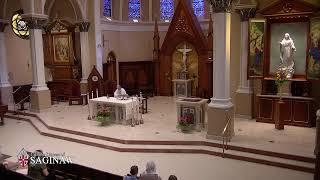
(121, 110)
(195, 108)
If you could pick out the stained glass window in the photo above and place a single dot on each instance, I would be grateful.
(107, 8)
(134, 9)
(198, 7)
(166, 9)
(19, 26)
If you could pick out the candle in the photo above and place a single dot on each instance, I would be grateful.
(97, 93)
(92, 94)
(88, 98)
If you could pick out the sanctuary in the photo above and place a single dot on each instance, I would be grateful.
(187, 81)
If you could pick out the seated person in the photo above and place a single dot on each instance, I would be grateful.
(37, 171)
(120, 92)
(133, 174)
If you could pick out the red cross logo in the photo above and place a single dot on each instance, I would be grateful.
(23, 160)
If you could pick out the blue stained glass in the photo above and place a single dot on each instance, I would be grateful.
(166, 9)
(198, 7)
(107, 8)
(134, 9)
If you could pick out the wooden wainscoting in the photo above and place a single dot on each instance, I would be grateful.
(136, 77)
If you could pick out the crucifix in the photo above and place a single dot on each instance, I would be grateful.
(184, 52)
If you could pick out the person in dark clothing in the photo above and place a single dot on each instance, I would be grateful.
(133, 174)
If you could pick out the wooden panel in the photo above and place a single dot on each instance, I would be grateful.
(64, 88)
(297, 112)
(62, 72)
(286, 111)
(266, 110)
(136, 76)
(301, 112)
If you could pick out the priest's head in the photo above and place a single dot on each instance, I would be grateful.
(118, 87)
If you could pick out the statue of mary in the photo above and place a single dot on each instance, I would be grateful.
(286, 55)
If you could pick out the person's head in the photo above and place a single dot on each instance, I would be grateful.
(287, 36)
(134, 170)
(150, 167)
(173, 177)
(118, 87)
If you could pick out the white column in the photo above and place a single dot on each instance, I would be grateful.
(84, 43)
(120, 10)
(150, 10)
(244, 83)
(4, 82)
(37, 58)
(98, 38)
(5, 85)
(221, 64)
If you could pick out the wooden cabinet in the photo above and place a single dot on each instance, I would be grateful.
(296, 111)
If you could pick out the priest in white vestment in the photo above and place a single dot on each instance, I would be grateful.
(120, 92)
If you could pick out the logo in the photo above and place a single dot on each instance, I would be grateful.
(23, 157)
(39, 157)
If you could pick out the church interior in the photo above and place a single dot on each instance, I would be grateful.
(177, 89)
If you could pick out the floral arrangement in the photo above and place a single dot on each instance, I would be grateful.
(104, 115)
(281, 77)
(185, 123)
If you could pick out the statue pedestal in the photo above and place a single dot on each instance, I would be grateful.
(285, 89)
(279, 120)
(182, 87)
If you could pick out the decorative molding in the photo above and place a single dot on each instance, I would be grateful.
(221, 5)
(35, 22)
(83, 26)
(246, 13)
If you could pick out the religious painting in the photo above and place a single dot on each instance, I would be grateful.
(61, 45)
(297, 34)
(256, 48)
(314, 50)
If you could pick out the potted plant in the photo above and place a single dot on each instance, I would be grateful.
(104, 118)
(185, 123)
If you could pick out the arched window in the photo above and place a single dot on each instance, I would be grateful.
(134, 9)
(107, 8)
(19, 26)
(198, 7)
(166, 9)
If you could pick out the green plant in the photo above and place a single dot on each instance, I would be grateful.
(104, 118)
(185, 123)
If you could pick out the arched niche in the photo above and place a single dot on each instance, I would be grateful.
(110, 72)
(70, 10)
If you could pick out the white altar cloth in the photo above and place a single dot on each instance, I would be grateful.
(123, 109)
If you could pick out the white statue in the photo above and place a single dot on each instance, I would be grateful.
(286, 55)
(184, 52)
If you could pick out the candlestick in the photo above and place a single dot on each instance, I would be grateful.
(92, 94)
(97, 92)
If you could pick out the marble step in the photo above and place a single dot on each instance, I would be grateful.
(188, 149)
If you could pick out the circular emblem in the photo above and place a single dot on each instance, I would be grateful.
(95, 78)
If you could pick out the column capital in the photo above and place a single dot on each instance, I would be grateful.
(35, 21)
(83, 26)
(3, 24)
(246, 11)
(221, 5)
